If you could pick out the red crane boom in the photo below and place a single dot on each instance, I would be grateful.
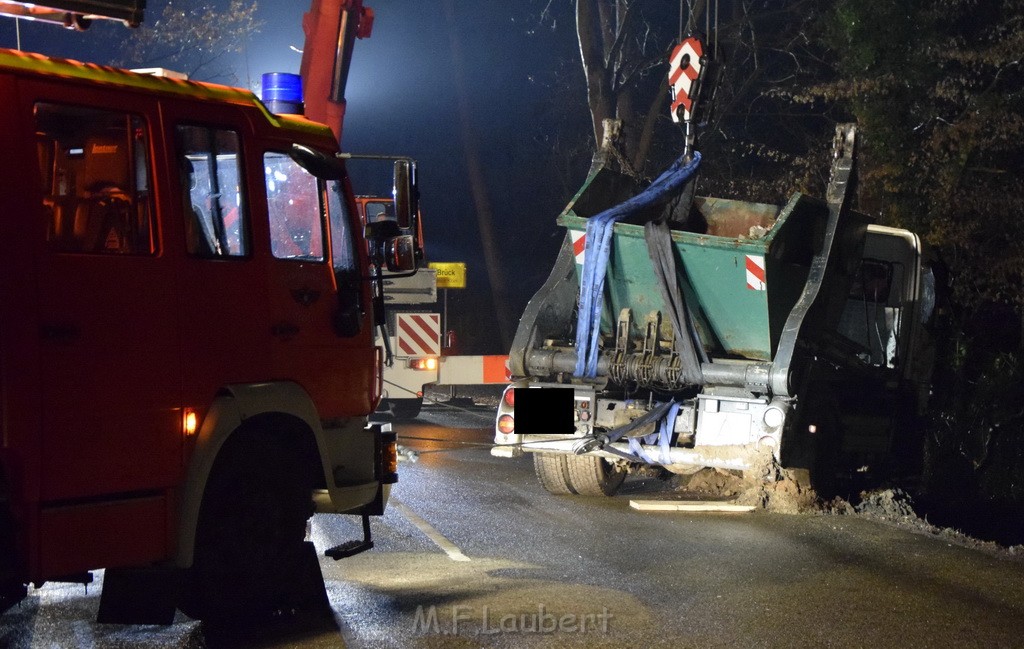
(331, 27)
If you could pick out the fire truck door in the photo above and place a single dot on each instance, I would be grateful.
(108, 338)
(336, 369)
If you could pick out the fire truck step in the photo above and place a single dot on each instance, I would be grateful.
(352, 548)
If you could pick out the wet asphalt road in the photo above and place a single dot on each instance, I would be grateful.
(472, 552)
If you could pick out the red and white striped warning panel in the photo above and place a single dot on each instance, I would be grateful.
(684, 68)
(579, 244)
(418, 334)
(756, 277)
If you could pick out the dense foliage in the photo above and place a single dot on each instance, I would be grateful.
(937, 90)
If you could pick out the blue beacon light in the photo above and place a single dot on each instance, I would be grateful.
(282, 92)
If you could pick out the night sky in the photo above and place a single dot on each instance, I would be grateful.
(403, 98)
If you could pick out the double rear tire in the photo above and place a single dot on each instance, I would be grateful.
(581, 475)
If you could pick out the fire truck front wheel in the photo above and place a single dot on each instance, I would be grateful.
(251, 560)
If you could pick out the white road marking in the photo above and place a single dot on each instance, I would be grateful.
(452, 550)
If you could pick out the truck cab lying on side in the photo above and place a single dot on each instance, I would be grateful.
(186, 349)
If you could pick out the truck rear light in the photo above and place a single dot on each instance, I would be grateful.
(424, 364)
(506, 423)
(509, 397)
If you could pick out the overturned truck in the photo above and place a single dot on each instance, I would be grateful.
(719, 333)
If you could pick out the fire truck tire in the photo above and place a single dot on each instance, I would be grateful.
(251, 560)
(577, 475)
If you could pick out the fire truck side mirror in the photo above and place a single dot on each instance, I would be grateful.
(400, 253)
(406, 192)
(316, 163)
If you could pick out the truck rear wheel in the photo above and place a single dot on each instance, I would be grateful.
(582, 475)
(251, 560)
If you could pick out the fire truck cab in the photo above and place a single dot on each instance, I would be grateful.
(186, 347)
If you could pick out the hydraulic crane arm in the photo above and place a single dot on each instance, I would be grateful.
(331, 27)
(76, 14)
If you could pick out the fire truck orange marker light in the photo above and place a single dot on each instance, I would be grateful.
(190, 421)
(391, 457)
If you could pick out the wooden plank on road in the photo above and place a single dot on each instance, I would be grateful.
(689, 506)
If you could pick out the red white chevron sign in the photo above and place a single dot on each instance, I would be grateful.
(418, 334)
(684, 68)
(756, 276)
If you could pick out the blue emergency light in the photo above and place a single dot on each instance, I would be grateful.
(282, 92)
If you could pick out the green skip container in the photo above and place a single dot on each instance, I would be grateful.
(742, 267)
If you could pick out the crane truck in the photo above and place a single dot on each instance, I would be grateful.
(689, 332)
(413, 331)
(187, 356)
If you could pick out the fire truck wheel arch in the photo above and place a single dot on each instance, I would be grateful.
(254, 513)
(236, 409)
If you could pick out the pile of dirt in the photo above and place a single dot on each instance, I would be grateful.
(714, 483)
(787, 493)
(890, 504)
(781, 491)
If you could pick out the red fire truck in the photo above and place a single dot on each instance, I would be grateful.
(187, 353)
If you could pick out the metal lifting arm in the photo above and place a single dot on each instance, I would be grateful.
(786, 364)
(331, 27)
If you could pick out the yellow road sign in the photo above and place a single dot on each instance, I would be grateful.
(450, 274)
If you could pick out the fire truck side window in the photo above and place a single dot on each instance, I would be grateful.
(94, 169)
(293, 204)
(216, 219)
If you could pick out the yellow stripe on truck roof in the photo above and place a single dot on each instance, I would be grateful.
(116, 77)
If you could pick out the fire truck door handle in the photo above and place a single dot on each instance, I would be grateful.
(60, 333)
(305, 295)
(284, 330)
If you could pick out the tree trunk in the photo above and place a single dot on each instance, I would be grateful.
(591, 37)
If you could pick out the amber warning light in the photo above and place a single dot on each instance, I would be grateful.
(189, 421)
(427, 364)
